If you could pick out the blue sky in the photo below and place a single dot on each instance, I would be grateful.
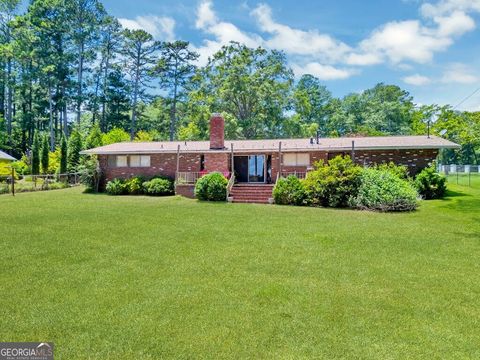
(431, 48)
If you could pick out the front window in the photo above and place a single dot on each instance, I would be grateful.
(296, 159)
(139, 161)
(129, 161)
(121, 161)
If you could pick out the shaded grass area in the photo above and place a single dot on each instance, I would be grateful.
(141, 277)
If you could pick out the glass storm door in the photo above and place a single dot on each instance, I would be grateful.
(256, 168)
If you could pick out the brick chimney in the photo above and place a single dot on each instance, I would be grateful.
(217, 133)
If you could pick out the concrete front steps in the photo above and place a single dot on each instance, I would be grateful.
(252, 193)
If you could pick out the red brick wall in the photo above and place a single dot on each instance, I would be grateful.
(185, 190)
(415, 160)
(217, 125)
(217, 162)
(165, 164)
(160, 164)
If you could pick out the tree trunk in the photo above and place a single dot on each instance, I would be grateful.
(173, 114)
(173, 110)
(134, 111)
(95, 98)
(80, 80)
(104, 91)
(50, 110)
(9, 100)
(135, 97)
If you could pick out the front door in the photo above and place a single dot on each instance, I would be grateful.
(240, 164)
(250, 168)
(256, 168)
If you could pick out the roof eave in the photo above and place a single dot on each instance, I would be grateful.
(319, 148)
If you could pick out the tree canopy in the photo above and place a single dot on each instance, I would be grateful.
(68, 70)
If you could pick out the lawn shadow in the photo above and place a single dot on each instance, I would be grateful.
(453, 194)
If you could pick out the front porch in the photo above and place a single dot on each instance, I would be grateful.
(254, 185)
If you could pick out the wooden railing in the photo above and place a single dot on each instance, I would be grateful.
(230, 184)
(187, 178)
(298, 174)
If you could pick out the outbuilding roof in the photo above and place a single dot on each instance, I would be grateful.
(5, 156)
(288, 145)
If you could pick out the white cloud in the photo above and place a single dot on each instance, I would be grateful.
(222, 32)
(455, 24)
(417, 80)
(404, 40)
(401, 43)
(414, 40)
(448, 6)
(161, 28)
(296, 41)
(459, 74)
(205, 15)
(323, 72)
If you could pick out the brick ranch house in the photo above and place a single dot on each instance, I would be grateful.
(256, 164)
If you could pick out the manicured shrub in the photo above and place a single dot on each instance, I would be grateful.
(211, 187)
(116, 187)
(430, 184)
(384, 191)
(333, 183)
(158, 187)
(134, 185)
(289, 191)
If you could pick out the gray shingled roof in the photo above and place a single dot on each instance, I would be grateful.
(5, 156)
(325, 144)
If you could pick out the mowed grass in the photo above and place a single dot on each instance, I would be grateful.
(146, 278)
(462, 179)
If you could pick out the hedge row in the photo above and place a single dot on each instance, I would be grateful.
(341, 183)
(158, 186)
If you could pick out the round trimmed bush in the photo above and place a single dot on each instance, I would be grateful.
(430, 184)
(384, 191)
(158, 187)
(211, 187)
(333, 183)
(116, 187)
(289, 191)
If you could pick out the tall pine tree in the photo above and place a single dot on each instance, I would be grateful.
(74, 148)
(175, 68)
(139, 51)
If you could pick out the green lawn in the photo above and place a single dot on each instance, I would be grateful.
(146, 278)
(472, 179)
